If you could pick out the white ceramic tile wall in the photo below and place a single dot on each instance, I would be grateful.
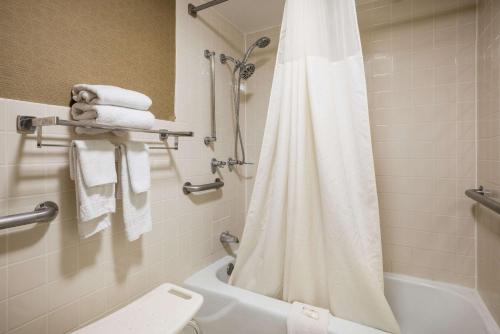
(52, 282)
(420, 70)
(488, 237)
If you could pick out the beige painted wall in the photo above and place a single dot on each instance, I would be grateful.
(49, 45)
(52, 282)
(488, 237)
(420, 71)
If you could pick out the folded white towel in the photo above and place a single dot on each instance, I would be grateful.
(92, 167)
(110, 95)
(307, 319)
(111, 115)
(136, 205)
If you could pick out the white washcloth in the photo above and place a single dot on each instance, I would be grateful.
(92, 167)
(111, 115)
(307, 319)
(136, 205)
(110, 95)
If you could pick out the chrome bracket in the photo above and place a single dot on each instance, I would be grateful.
(24, 124)
(164, 139)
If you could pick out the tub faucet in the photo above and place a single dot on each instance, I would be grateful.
(228, 238)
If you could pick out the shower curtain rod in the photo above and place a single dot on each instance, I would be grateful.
(193, 10)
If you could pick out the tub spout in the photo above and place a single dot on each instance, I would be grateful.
(228, 238)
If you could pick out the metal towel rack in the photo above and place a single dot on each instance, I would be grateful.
(43, 213)
(30, 125)
(189, 188)
(479, 195)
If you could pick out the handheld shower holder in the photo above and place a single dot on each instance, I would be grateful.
(215, 164)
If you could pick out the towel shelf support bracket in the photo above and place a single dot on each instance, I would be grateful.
(30, 125)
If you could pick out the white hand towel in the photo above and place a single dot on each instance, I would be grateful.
(92, 167)
(111, 115)
(110, 95)
(136, 206)
(307, 319)
(138, 166)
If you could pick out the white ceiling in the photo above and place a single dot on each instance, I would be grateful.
(252, 15)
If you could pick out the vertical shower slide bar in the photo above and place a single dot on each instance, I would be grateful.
(213, 134)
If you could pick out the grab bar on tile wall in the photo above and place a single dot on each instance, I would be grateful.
(44, 212)
(190, 188)
(480, 196)
(213, 133)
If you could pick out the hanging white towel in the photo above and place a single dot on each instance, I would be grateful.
(138, 166)
(110, 115)
(110, 95)
(92, 167)
(307, 319)
(134, 170)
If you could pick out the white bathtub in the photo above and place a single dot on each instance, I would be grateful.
(421, 307)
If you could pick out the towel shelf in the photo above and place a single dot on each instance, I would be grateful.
(29, 125)
(479, 195)
(44, 212)
(190, 188)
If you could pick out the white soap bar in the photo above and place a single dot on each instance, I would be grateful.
(166, 310)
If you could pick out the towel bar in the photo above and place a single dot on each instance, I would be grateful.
(29, 125)
(189, 188)
(479, 195)
(44, 212)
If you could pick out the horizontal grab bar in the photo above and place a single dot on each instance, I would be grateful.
(189, 188)
(44, 212)
(479, 195)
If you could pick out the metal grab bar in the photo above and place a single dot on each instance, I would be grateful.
(213, 134)
(189, 188)
(479, 195)
(44, 212)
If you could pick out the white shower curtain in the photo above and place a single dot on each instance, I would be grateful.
(312, 231)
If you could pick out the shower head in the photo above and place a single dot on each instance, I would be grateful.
(261, 43)
(246, 70)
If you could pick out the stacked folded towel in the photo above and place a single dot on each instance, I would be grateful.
(110, 105)
(92, 167)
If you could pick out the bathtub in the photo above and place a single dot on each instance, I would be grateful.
(420, 306)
